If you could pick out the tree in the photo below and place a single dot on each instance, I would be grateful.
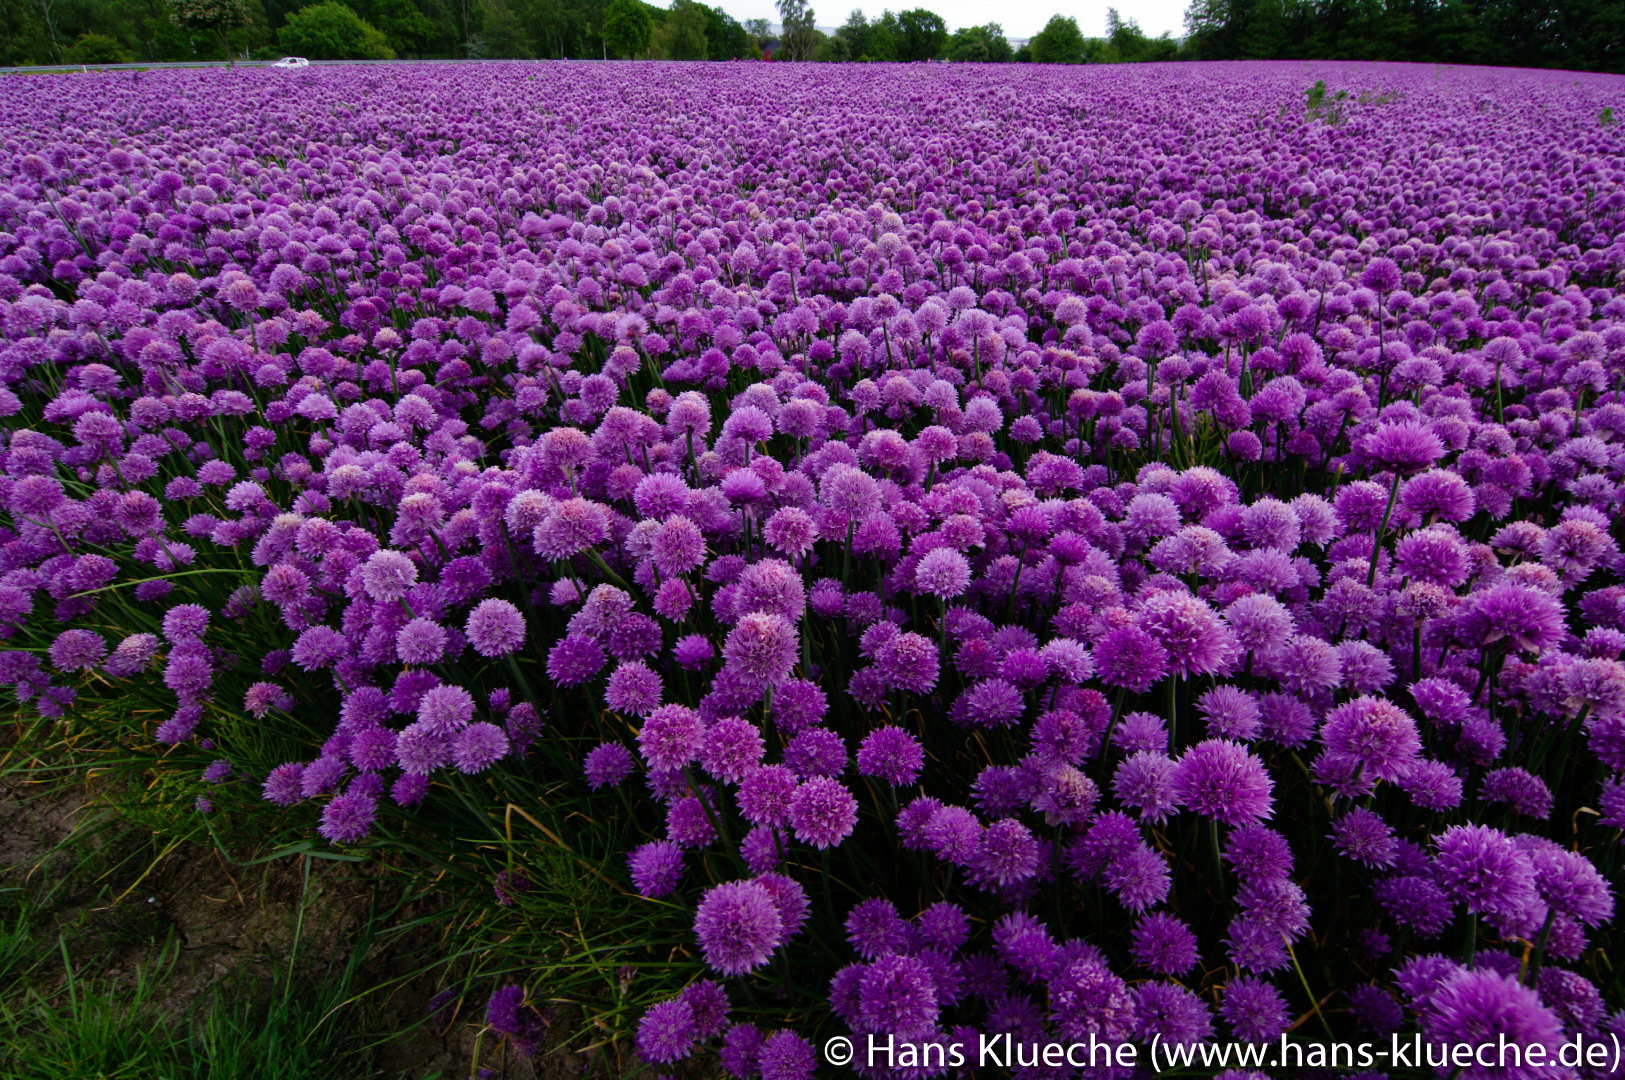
(502, 37)
(216, 16)
(799, 38)
(1126, 43)
(725, 37)
(404, 26)
(880, 43)
(854, 35)
(627, 27)
(979, 45)
(682, 36)
(1060, 42)
(331, 31)
(97, 49)
(921, 35)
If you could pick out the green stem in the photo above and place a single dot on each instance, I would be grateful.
(1376, 543)
(1304, 979)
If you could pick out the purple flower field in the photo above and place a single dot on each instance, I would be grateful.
(1081, 553)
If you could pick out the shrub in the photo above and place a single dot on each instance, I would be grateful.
(332, 32)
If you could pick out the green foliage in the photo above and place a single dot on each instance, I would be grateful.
(207, 16)
(502, 35)
(1060, 42)
(331, 31)
(683, 35)
(979, 45)
(799, 38)
(1606, 118)
(63, 1019)
(1586, 35)
(627, 27)
(97, 49)
(921, 35)
(725, 36)
(1321, 105)
(405, 27)
(1126, 43)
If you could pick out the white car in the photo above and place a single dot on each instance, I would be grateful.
(292, 62)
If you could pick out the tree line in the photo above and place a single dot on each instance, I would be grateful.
(1577, 34)
(153, 31)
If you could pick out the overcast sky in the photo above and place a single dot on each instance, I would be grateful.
(1020, 18)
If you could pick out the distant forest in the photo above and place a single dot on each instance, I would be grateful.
(1586, 35)
(1581, 35)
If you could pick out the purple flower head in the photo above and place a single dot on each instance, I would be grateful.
(764, 795)
(897, 994)
(656, 867)
(762, 647)
(1482, 1007)
(891, 754)
(992, 703)
(387, 575)
(874, 928)
(709, 1002)
(1196, 641)
(1231, 713)
(1222, 780)
(1404, 447)
(1006, 854)
(1171, 1012)
(1520, 790)
(822, 812)
(691, 652)
(798, 704)
(1526, 618)
(1438, 494)
(1254, 1009)
(184, 621)
(508, 1013)
(420, 642)
(1374, 732)
(1259, 621)
(77, 650)
(943, 573)
(671, 737)
(495, 628)
(772, 587)
(1086, 999)
(574, 659)
(741, 1051)
(478, 746)
(283, 784)
(738, 926)
(348, 818)
(667, 1032)
(633, 688)
(1481, 866)
(1164, 944)
(908, 662)
(816, 752)
(785, 1055)
(731, 749)
(445, 708)
(1568, 882)
(1366, 838)
(1145, 781)
(943, 926)
(422, 748)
